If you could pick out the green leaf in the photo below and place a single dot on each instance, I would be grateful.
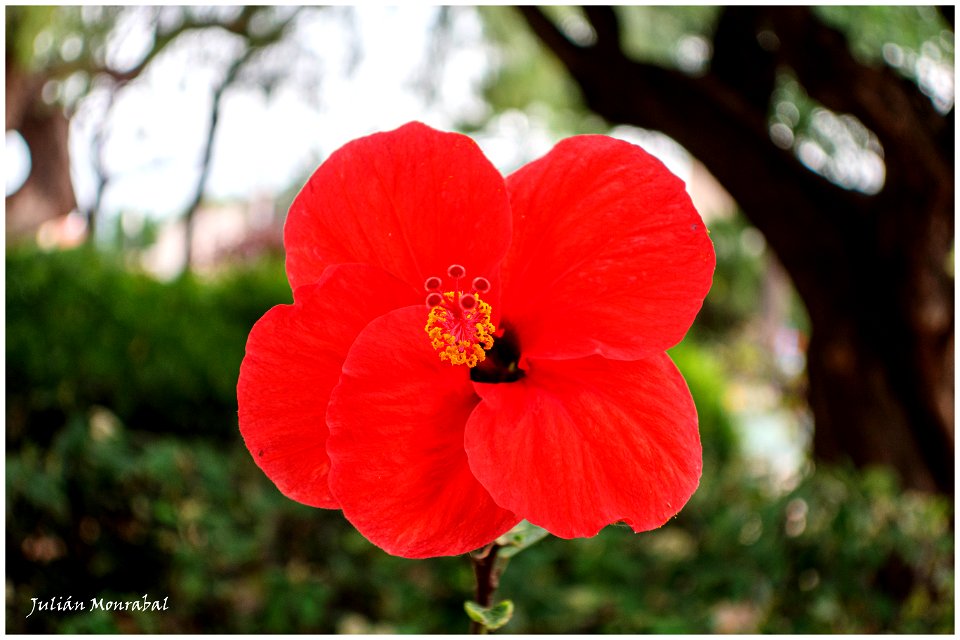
(490, 617)
(519, 538)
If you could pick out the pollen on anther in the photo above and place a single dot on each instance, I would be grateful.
(459, 328)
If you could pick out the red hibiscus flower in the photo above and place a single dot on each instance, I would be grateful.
(533, 384)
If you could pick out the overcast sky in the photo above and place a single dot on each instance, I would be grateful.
(266, 143)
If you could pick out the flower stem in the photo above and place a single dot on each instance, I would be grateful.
(487, 572)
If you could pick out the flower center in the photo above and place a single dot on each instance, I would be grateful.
(459, 324)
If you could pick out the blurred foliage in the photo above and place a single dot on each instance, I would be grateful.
(62, 41)
(913, 28)
(530, 79)
(915, 41)
(126, 476)
(82, 332)
(838, 554)
(527, 80)
(733, 296)
(663, 35)
(680, 38)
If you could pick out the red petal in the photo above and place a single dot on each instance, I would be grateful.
(292, 362)
(396, 444)
(579, 444)
(608, 256)
(412, 201)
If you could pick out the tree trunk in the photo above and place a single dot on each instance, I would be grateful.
(881, 355)
(48, 191)
(872, 270)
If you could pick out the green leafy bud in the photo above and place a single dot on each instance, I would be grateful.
(490, 617)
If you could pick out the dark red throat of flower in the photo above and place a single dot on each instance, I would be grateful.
(458, 324)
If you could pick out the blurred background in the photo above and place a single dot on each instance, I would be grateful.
(151, 154)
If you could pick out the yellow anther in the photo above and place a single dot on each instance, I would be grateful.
(460, 336)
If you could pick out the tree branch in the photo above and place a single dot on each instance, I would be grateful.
(569, 53)
(739, 60)
(948, 12)
(902, 117)
(240, 25)
(606, 25)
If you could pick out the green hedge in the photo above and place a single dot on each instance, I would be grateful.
(82, 331)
